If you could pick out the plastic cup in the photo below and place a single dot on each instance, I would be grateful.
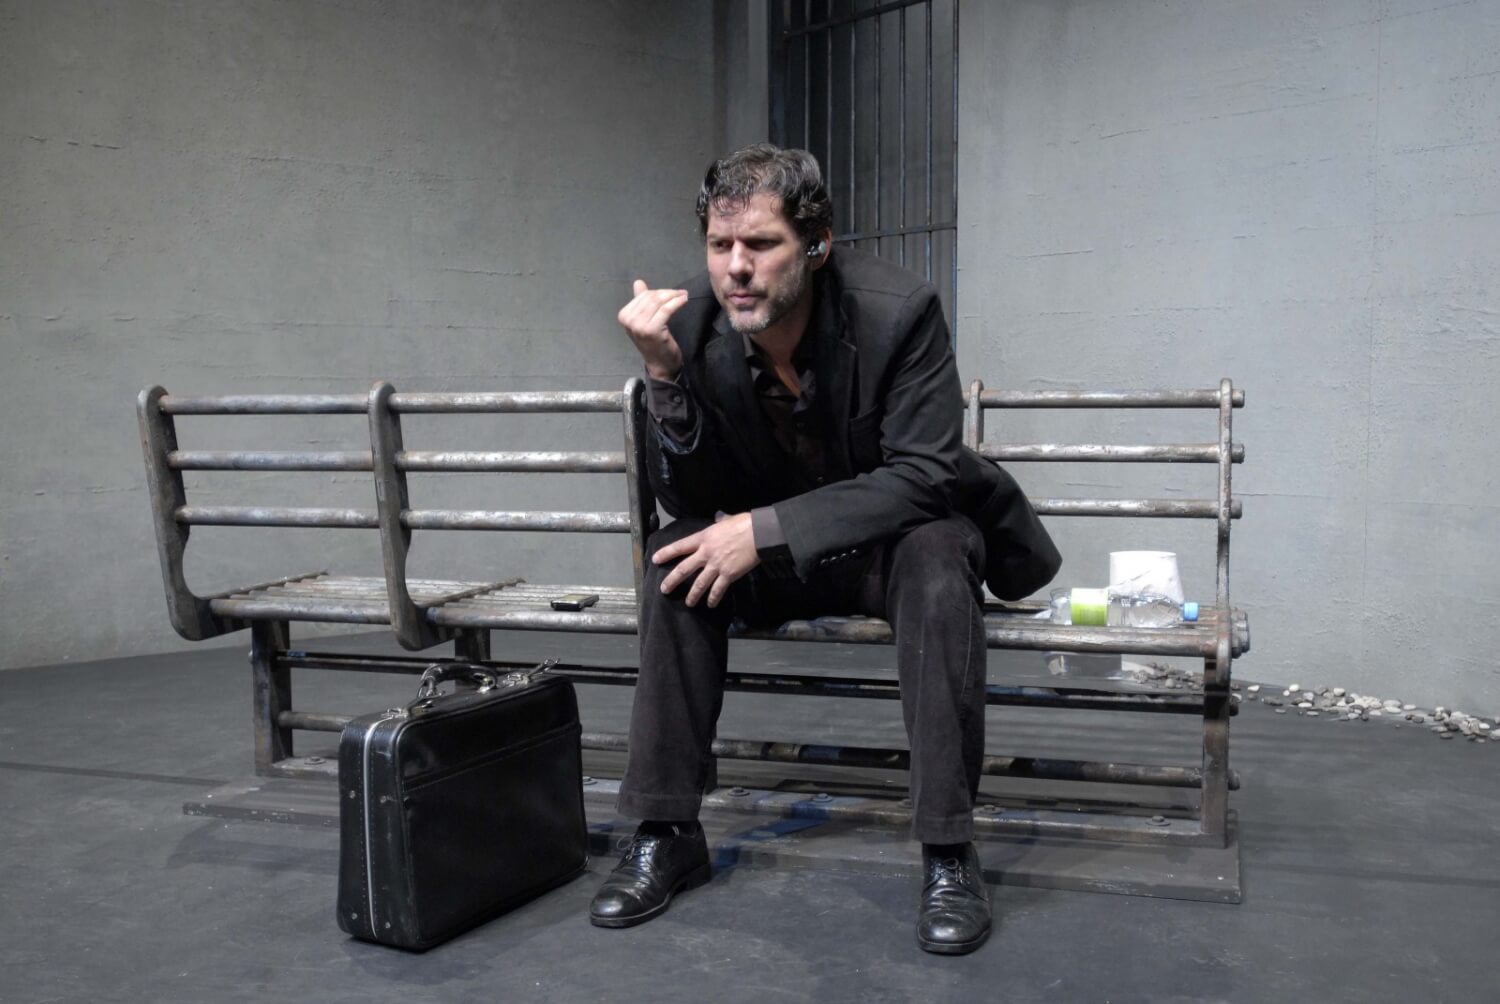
(1137, 572)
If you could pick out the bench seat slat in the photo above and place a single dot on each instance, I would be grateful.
(300, 609)
(336, 599)
(527, 606)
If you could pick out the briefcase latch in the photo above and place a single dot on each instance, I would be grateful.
(522, 677)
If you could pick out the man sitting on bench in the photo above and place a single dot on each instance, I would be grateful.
(806, 415)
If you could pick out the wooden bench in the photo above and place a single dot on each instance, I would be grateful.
(424, 612)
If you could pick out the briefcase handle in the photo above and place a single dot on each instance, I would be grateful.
(439, 673)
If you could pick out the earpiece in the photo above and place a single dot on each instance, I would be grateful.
(818, 250)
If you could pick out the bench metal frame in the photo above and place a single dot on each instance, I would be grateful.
(423, 613)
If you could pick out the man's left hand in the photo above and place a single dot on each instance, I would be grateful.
(719, 556)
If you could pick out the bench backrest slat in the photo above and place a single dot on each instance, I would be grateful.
(263, 404)
(514, 402)
(481, 519)
(1105, 398)
(262, 515)
(1163, 453)
(269, 460)
(425, 461)
(562, 461)
(1151, 508)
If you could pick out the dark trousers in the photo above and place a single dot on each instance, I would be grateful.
(926, 583)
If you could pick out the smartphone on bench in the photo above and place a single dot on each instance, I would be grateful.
(575, 601)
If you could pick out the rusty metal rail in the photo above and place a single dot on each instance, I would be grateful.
(422, 461)
(864, 757)
(423, 612)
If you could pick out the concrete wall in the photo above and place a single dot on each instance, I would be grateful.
(740, 87)
(1303, 197)
(306, 196)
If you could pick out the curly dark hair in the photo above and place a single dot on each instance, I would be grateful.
(793, 176)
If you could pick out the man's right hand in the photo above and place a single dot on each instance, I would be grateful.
(645, 318)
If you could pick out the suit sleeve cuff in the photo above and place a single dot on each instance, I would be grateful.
(770, 541)
(670, 404)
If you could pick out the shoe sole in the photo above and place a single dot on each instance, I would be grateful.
(953, 947)
(692, 880)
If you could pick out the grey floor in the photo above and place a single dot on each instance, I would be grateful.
(1370, 862)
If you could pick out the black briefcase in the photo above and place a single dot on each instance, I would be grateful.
(458, 807)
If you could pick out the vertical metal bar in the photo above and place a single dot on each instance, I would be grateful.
(189, 613)
(638, 492)
(272, 693)
(974, 417)
(1225, 521)
(807, 78)
(953, 254)
(778, 70)
(412, 629)
(879, 125)
(853, 215)
(472, 645)
(1226, 467)
(828, 106)
(927, 40)
(1213, 799)
(901, 100)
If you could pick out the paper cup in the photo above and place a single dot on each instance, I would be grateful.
(1145, 572)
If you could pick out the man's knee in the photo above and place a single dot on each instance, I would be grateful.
(951, 548)
(675, 531)
(669, 534)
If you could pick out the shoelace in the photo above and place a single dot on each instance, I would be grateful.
(951, 869)
(640, 848)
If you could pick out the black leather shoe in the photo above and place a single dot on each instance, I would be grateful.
(653, 869)
(955, 914)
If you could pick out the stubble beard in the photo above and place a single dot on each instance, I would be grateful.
(777, 306)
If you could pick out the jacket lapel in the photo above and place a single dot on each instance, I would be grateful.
(837, 366)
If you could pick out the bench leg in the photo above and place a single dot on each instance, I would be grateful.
(1213, 805)
(273, 693)
(472, 646)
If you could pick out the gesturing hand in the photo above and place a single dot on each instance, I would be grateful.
(719, 556)
(645, 318)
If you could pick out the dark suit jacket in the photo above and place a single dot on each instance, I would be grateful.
(894, 410)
